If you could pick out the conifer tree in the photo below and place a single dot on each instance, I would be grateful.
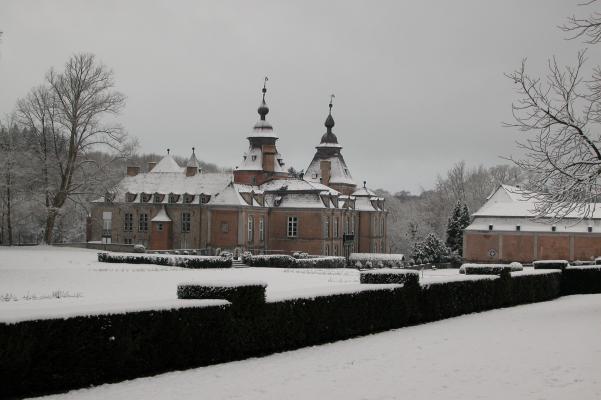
(458, 221)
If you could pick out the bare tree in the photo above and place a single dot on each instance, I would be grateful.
(588, 27)
(80, 96)
(562, 112)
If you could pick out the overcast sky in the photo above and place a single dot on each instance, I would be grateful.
(419, 85)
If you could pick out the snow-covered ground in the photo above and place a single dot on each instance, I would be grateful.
(54, 281)
(547, 350)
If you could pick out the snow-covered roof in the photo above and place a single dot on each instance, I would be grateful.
(263, 129)
(161, 216)
(364, 192)
(167, 164)
(509, 206)
(339, 172)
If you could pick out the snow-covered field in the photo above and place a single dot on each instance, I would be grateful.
(54, 281)
(547, 350)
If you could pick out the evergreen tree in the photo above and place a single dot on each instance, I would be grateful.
(458, 221)
(430, 249)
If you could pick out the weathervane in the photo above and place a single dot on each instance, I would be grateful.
(331, 99)
(265, 87)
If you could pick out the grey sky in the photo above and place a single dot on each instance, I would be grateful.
(419, 84)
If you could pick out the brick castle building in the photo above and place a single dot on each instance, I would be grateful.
(504, 229)
(258, 207)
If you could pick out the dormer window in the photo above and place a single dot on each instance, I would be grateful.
(158, 198)
(145, 197)
(590, 229)
(517, 227)
(254, 158)
(205, 198)
(490, 227)
(173, 198)
(553, 228)
(188, 198)
(130, 197)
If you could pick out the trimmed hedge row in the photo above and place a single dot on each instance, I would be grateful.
(285, 261)
(550, 264)
(245, 295)
(408, 277)
(38, 357)
(195, 262)
(489, 269)
(376, 260)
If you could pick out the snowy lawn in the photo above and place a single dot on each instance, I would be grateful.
(38, 281)
(547, 350)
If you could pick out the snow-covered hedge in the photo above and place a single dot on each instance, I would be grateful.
(239, 294)
(45, 356)
(166, 259)
(550, 264)
(582, 279)
(409, 277)
(376, 260)
(285, 261)
(489, 269)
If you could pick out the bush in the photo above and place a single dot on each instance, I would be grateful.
(139, 248)
(380, 260)
(582, 279)
(489, 269)
(550, 264)
(285, 261)
(166, 259)
(239, 294)
(408, 277)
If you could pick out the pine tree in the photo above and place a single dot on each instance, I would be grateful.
(430, 249)
(458, 221)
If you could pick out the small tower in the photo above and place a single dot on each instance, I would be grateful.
(261, 162)
(192, 166)
(328, 166)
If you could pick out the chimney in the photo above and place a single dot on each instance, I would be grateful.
(133, 170)
(325, 167)
(151, 165)
(191, 171)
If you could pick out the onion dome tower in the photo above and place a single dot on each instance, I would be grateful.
(328, 166)
(261, 162)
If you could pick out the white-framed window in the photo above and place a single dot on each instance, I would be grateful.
(292, 227)
(336, 227)
(186, 222)
(262, 229)
(326, 228)
(251, 228)
(160, 226)
(225, 227)
(107, 223)
(335, 251)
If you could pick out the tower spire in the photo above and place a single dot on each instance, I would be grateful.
(263, 109)
(330, 120)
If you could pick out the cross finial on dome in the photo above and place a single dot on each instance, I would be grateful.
(193, 149)
(364, 183)
(168, 150)
(332, 96)
(263, 109)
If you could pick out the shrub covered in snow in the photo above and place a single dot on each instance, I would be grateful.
(300, 255)
(285, 261)
(239, 294)
(166, 259)
(489, 269)
(409, 277)
(139, 248)
(378, 260)
(550, 264)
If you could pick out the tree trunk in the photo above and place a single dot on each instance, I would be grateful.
(50, 219)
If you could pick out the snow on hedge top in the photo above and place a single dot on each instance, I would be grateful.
(376, 257)
(225, 283)
(389, 271)
(314, 292)
(545, 262)
(65, 311)
(589, 267)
